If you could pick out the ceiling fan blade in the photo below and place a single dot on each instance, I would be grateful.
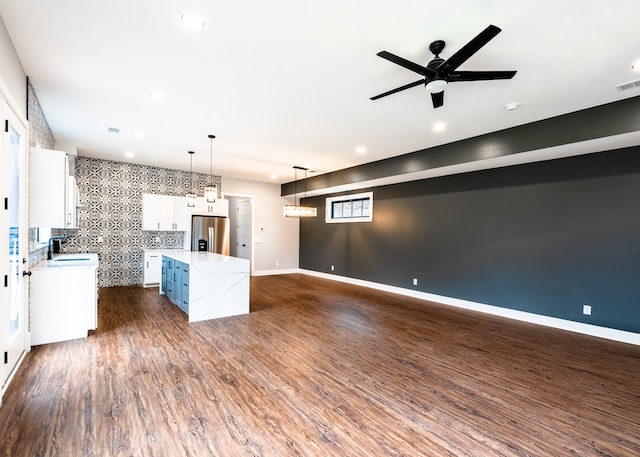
(479, 75)
(437, 99)
(469, 49)
(406, 86)
(403, 62)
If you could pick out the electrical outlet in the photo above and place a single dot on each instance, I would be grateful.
(415, 281)
(586, 309)
(332, 268)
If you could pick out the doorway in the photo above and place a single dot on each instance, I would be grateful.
(243, 229)
(241, 222)
(13, 241)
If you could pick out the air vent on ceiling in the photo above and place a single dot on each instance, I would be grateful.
(113, 130)
(629, 85)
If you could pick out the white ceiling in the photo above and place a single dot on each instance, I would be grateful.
(287, 82)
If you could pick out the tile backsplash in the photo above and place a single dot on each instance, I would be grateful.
(110, 215)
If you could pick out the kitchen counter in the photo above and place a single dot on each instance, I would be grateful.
(68, 261)
(217, 285)
(64, 298)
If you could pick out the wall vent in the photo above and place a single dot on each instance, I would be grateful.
(629, 85)
(113, 130)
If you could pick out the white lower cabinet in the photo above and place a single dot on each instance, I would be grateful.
(63, 301)
(152, 269)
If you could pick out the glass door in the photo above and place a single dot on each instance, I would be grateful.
(13, 229)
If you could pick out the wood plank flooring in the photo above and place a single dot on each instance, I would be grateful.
(320, 368)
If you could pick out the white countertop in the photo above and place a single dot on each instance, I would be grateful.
(195, 258)
(68, 261)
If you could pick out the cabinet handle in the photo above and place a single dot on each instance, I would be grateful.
(158, 225)
(147, 264)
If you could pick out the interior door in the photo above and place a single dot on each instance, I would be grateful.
(243, 229)
(13, 241)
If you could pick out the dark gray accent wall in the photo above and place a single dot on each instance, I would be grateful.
(544, 238)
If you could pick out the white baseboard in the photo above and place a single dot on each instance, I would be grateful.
(563, 324)
(275, 272)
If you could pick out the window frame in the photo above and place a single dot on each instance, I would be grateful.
(329, 206)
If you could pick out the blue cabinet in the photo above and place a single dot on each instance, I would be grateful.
(163, 279)
(175, 282)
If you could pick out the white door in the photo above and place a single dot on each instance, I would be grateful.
(13, 241)
(243, 229)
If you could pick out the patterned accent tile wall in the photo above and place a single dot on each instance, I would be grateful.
(39, 131)
(39, 134)
(110, 215)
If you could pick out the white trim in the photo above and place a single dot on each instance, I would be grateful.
(554, 322)
(286, 271)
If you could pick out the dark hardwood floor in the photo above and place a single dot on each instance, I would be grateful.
(320, 368)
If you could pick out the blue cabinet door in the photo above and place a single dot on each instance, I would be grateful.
(163, 281)
(184, 289)
(171, 275)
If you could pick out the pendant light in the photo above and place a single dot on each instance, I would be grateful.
(191, 197)
(211, 191)
(299, 210)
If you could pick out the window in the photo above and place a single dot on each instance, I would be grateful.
(350, 208)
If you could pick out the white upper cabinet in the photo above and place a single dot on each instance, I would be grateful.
(164, 213)
(219, 208)
(52, 190)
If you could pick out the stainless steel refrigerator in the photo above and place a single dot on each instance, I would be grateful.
(210, 233)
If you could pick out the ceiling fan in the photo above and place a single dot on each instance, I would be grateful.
(439, 72)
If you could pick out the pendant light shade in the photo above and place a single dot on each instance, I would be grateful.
(191, 197)
(211, 191)
(300, 210)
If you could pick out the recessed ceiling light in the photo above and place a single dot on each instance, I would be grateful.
(439, 126)
(511, 106)
(138, 133)
(192, 20)
(128, 154)
(636, 66)
(158, 96)
(274, 176)
(361, 150)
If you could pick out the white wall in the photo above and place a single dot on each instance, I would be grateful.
(11, 73)
(277, 250)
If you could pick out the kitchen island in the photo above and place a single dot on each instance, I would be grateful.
(206, 285)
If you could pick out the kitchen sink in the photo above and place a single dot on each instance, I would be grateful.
(71, 259)
(79, 260)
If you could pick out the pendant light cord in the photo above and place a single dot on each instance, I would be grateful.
(211, 137)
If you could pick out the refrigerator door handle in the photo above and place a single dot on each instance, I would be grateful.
(211, 246)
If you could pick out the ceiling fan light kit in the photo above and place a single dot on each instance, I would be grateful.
(439, 72)
(437, 85)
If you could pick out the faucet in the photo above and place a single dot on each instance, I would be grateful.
(49, 256)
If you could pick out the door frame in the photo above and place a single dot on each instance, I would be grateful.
(8, 107)
(253, 219)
